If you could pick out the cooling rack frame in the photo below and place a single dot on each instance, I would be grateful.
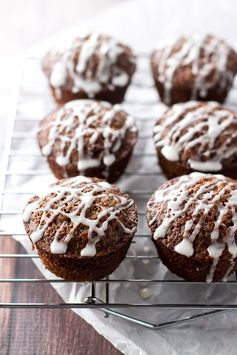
(91, 301)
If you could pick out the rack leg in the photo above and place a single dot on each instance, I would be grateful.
(106, 314)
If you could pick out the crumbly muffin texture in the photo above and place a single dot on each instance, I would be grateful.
(87, 137)
(94, 66)
(193, 219)
(82, 228)
(201, 67)
(75, 216)
(197, 136)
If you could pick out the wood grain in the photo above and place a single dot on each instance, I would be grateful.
(35, 331)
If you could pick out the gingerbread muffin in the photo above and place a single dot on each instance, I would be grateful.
(194, 68)
(193, 220)
(82, 228)
(197, 136)
(95, 66)
(89, 138)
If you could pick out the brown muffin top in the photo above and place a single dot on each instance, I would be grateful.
(202, 136)
(80, 217)
(87, 134)
(196, 215)
(197, 63)
(92, 63)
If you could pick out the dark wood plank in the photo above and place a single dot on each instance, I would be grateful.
(29, 331)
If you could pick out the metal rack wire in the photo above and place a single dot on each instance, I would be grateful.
(143, 107)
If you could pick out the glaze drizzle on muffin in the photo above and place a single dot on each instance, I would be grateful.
(208, 58)
(200, 135)
(210, 199)
(96, 131)
(92, 62)
(93, 205)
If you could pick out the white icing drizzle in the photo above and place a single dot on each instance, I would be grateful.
(84, 192)
(74, 65)
(197, 126)
(185, 247)
(205, 165)
(29, 209)
(177, 200)
(206, 54)
(85, 119)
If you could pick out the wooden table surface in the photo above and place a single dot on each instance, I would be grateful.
(35, 331)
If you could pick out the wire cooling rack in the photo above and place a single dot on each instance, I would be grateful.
(24, 168)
